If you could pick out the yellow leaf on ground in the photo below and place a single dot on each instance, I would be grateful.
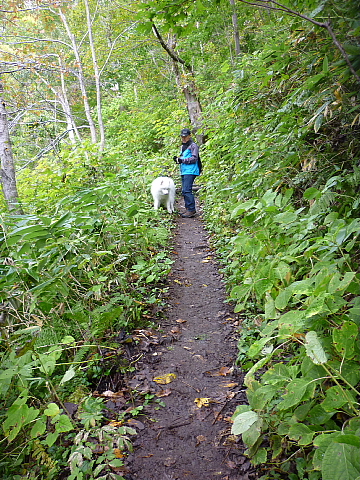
(118, 453)
(202, 402)
(165, 379)
(116, 424)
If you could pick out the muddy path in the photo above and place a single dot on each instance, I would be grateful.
(189, 437)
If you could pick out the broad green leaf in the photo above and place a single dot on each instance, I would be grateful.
(259, 457)
(51, 438)
(322, 442)
(68, 339)
(302, 287)
(52, 410)
(262, 395)
(345, 338)
(38, 428)
(262, 286)
(269, 197)
(257, 346)
(270, 310)
(354, 312)
(311, 193)
(242, 207)
(282, 270)
(283, 298)
(349, 439)
(243, 422)
(318, 416)
(291, 322)
(341, 462)
(249, 377)
(319, 304)
(68, 375)
(301, 433)
(296, 390)
(286, 217)
(63, 424)
(240, 291)
(335, 398)
(251, 435)
(314, 349)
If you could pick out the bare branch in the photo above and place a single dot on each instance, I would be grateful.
(172, 54)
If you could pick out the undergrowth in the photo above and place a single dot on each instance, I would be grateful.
(281, 203)
(79, 274)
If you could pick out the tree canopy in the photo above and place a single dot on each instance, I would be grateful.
(94, 96)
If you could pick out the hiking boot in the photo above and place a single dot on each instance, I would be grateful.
(188, 214)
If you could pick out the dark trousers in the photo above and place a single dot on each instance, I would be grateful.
(187, 184)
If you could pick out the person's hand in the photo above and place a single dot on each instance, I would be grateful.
(177, 160)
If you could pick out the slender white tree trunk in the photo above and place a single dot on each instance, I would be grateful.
(64, 102)
(97, 77)
(8, 178)
(81, 77)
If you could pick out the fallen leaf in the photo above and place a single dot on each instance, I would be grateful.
(225, 371)
(169, 461)
(111, 394)
(200, 357)
(230, 395)
(230, 385)
(202, 402)
(116, 424)
(175, 330)
(204, 285)
(165, 379)
(164, 393)
(178, 281)
(230, 464)
(199, 439)
(118, 453)
(180, 320)
(187, 348)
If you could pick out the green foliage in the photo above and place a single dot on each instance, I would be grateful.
(281, 202)
(85, 265)
(280, 199)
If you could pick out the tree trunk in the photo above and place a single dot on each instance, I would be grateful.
(81, 77)
(236, 28)
(188, 85)
(8, 179)
(63, 99)
(97, 78)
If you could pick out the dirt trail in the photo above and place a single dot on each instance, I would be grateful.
(185, 439)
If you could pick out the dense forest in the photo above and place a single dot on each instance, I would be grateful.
(93, 97)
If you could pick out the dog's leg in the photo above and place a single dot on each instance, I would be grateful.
(156, 204)
(169, 206)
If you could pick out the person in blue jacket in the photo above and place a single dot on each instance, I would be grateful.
(189, 170)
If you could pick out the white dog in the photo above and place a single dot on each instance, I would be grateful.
(163, 192)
